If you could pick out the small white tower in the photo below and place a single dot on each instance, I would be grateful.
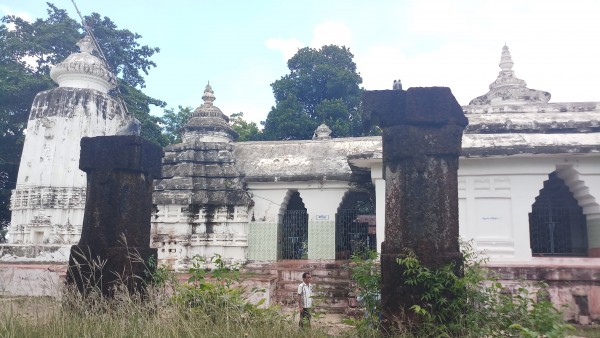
(48, 202)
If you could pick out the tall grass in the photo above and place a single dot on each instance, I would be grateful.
(204, 307)
(212, 304)
(139, 320)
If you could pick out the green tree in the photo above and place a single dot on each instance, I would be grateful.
(28, 49)
(138, 104)
(322, 87)
(173, 123)
(248, 131)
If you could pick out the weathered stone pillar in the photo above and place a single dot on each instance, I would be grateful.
(422, 132)
(114, 248)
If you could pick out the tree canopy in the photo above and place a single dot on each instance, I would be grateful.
(174, 122)
(322, 87)
(28, 49)
(247, 131)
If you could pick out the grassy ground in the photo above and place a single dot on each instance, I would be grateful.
(157, 316)
(588, 331)
(46, 317)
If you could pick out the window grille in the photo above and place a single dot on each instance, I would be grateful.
(557, 225)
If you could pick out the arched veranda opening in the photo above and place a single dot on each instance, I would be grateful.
(557, 224)
(293, 229)
(355, 225)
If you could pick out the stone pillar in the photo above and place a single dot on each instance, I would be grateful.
(422, 132)
(379, 182)
(593, 225)
(115, 240)
(322, 206)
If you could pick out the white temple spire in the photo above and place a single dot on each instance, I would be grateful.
(509, 89)
(83, 69)
(506, 62)
(207, 123)
(208, 96)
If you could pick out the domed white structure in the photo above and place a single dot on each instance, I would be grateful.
(509, 89)
(84, 70)
(48, 202)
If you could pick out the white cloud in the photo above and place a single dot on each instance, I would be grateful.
(4, 10)
(30, 61)
(331, 32)
(380, 66)
(468, 77)
(325, 33)
(288, 47)
(437, 17)
(458, 44)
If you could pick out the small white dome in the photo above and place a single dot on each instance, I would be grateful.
(84, 70)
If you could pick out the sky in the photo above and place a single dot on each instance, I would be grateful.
(242, 47)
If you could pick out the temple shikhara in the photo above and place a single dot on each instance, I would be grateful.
(48, 203)
(528, 185)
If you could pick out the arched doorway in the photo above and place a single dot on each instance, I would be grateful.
(293, 239)
(355, 225)
(557, 225)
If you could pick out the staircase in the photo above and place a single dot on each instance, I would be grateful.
(332, 284)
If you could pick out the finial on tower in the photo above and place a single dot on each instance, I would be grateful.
(506, 62)
(322, 133)
(86, 45)
(209, 95)
(509, 89)
(83, 69)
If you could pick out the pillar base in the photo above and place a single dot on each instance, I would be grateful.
(398, 297)
(109, 269)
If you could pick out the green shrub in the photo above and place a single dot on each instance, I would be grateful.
(160, 276)
(210, 305)
(544, 320)
(474, 304)
(366, 274)
(467, 302)
(216, 292)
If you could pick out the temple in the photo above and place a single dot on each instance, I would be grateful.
(48, 202)
(526, 176)
(528, 183)
(202, 207)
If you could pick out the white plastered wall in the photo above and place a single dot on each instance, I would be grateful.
(496, 194)
(321, 199)
(379, 183)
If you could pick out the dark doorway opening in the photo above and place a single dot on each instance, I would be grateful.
(557, 225)
(294, 230)
(355, 225)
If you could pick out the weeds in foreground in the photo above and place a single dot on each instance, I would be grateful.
(465, 302)
(211, 304)
(366, 277)
(471, 303)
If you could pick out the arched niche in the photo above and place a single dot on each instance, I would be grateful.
(293, 228)
(355, 224)
(557, 223)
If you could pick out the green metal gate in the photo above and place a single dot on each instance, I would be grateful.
(294, 235)
(557, 225)
(354, 233)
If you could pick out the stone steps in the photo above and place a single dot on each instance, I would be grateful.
(331, 279)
